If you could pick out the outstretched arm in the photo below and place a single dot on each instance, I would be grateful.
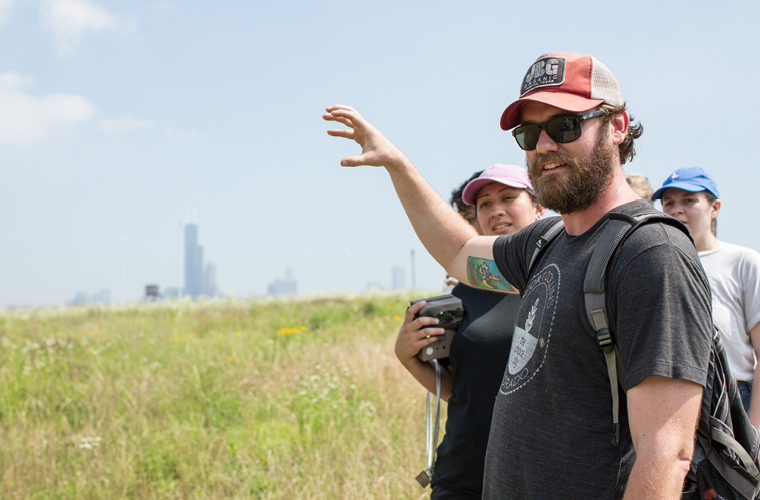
(448, 238)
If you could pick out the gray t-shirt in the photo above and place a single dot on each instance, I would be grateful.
(551, 432)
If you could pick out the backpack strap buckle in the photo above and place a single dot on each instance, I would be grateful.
(604, 340)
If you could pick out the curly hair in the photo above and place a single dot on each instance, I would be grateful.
(456, 195)
(635, 129)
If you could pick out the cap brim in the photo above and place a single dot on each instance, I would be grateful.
(470, 193)
(567, 102)
(686, 186)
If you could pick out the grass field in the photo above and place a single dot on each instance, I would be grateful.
(217, 399)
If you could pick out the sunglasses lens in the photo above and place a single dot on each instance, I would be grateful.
(561, 129)
(527, 136)
(564, 129)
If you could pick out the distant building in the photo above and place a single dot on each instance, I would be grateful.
(398, 278)
(210, 285)
(193, 262)
(199, 280)
(82, 298)
(287, 286)
(373, 285)
(152, 293)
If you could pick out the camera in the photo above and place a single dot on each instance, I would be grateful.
(450, 313)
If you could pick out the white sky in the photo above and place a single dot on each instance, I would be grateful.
(118, 119)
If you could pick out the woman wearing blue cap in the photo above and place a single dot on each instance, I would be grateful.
(503, 202)
(691, 196)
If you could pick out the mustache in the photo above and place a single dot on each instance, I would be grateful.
(534, 167)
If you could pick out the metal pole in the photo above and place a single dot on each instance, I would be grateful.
(123, 266)
(414, 276)
(179, 273)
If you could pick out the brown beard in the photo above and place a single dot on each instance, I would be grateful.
(579, 188)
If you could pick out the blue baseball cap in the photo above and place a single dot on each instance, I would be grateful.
(689, 179)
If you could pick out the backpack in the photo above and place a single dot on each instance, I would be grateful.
(725, 460)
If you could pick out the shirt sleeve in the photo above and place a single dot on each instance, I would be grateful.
(512, 252)
(751, 288)
(661, 315)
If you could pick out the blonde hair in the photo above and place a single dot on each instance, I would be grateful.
(640, 185)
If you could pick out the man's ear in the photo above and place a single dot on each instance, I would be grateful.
(540, 210)
(619, 124)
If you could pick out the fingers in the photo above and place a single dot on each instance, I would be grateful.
(345, 115)
(340, 119)
(412, 310)
(330, 109)
(352, 161)
(348, 134)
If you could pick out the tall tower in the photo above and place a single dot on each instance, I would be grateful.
(193, 262)
(210, 283)
(398, 275)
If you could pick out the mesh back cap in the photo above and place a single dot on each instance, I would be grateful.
(569, 81)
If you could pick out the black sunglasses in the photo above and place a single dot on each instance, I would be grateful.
(561, 129)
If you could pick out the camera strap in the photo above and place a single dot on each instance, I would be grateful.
(432, 425)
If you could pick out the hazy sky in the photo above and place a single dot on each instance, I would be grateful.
(120, 119)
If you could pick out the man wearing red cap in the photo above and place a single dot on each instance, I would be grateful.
(551, 428)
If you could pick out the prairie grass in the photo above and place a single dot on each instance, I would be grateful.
(257, 399)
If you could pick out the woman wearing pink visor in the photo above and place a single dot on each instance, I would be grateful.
(505, 203)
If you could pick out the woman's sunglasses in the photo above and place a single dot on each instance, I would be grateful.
(561, 129)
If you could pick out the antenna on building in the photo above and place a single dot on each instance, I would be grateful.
(123, 265)
(181, 225)
(414, 274)
(346, 256)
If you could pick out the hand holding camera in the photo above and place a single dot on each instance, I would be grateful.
(428, 328)
(416, 333)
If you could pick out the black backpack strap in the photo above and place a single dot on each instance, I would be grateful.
(544, 241)
(619, 226)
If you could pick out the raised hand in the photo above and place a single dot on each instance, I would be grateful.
(376, 149)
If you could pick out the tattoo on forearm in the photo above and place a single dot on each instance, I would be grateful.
(483, 273)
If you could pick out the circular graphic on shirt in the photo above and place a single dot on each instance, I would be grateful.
(533, 329)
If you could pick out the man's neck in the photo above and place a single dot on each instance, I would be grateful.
(617, 193)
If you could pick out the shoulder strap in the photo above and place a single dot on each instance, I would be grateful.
(619, 226)
(544, 241)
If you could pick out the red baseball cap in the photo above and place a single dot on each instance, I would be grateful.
(568, 81)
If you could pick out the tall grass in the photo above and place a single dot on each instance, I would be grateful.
(220, 399)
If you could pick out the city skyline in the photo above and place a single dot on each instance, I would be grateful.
(116, 118)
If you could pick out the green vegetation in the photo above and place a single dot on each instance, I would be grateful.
(218, 399)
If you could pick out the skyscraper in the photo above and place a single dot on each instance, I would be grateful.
(210, 285)
(398, 278)
(193, 262)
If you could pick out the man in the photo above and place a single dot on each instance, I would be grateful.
(551, 428)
